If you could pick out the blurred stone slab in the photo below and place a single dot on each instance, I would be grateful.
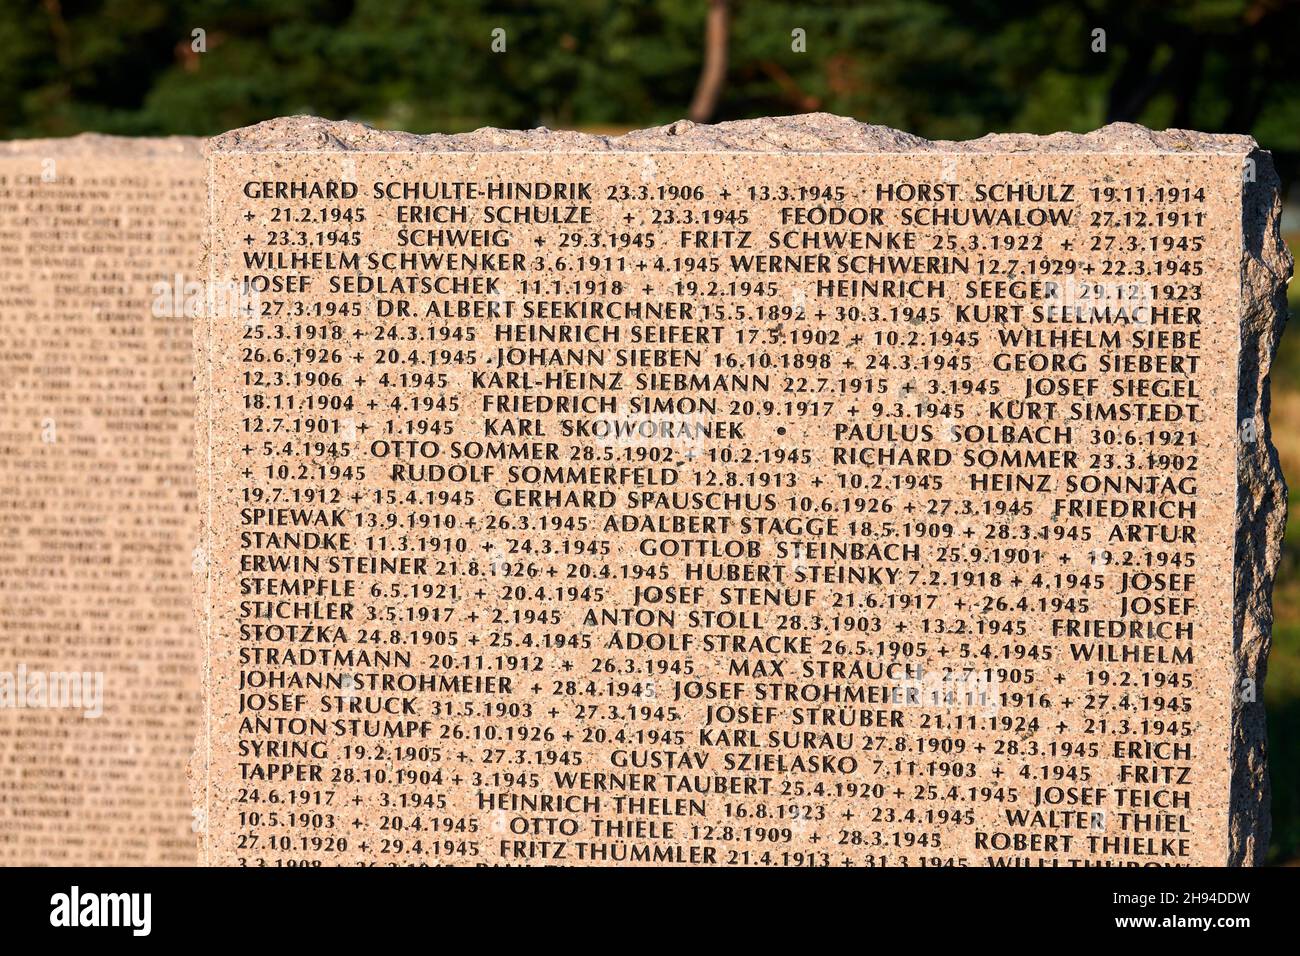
(98, 668)
(785, 492)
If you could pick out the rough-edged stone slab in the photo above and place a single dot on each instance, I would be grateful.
(1037, 418)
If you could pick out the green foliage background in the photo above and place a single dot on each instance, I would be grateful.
(939, 68)
(949, 69)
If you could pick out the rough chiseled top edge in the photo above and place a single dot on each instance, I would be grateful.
(806, 133)
(98, 144)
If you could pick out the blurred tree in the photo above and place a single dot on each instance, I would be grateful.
(717, 41)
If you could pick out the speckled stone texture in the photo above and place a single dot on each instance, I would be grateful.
(809, 133)
(1265, 269)
(1261, 504)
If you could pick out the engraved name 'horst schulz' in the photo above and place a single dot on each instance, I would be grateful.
(788, 492)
